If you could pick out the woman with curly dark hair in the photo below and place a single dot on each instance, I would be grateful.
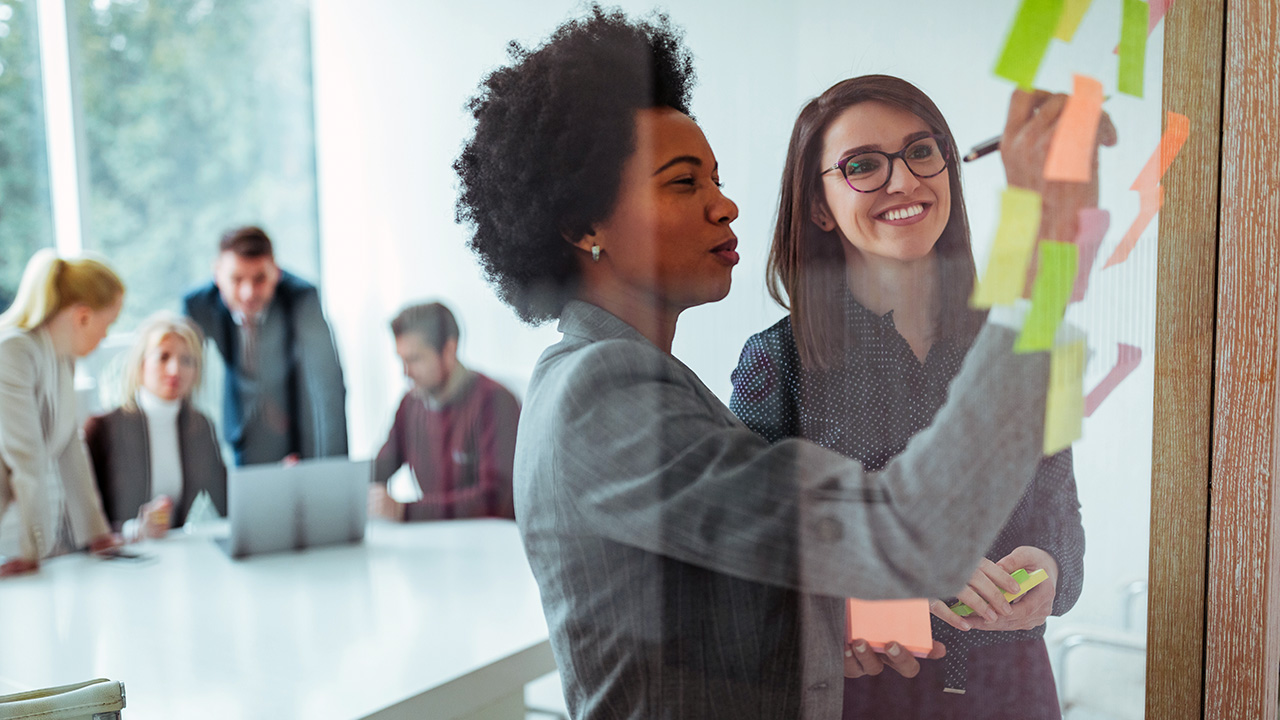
(671, 544)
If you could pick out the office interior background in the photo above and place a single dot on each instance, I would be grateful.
(140, 129)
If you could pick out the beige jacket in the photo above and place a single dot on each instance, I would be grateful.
(44, 468)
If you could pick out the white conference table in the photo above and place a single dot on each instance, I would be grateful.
(422, 620)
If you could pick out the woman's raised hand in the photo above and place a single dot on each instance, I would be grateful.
(1032, 120)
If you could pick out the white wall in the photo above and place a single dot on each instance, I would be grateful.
(391, 80)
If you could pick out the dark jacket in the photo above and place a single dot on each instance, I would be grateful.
(298, 405)
(121, 453)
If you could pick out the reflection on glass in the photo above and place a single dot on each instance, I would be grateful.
(196, 117)
(26, 217)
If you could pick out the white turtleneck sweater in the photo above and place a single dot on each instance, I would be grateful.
(162, 434)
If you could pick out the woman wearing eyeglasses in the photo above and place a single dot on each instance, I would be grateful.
(672, 545)
(871, 255)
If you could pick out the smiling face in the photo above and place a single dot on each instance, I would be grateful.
(168, 367)
(901, 221)
(667, 240)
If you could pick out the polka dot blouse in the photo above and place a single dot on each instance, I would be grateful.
(869, 407)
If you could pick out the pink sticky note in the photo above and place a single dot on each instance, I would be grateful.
(1128, 357)
(1070, 157)
(1158, 9)
(881, 622)
(1092, 227)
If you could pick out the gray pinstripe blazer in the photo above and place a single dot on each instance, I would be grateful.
(683, 560)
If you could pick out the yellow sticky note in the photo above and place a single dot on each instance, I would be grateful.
(1055, 279)
(1064, 409)
(1011, 252)
(1072, 12)
(1028, 40)
(1070, 157)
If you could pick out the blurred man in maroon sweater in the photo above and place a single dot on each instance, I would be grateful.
(456, 428)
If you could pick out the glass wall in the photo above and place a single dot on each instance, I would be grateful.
(26, 217)
(194, 117)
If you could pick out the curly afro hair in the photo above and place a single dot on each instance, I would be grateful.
(553, 129)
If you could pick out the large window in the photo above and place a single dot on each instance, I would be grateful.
(195, 116)
(26, 218)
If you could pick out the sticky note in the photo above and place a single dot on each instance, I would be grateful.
(1150, 202)
(1133, 46)
(1092, 224)
(1150, 193)
(1070, 157)
(1011, 252)
(1064, 406)
(1024, 49)
(1128, 357)
(1025, 581)
(1049, 296)
(1072, 12)
(1157, 11)
(881, 622)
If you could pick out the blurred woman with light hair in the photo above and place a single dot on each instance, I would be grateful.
(156, 453)
(48, 502)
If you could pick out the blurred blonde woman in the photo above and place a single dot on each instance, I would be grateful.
(48, 502)
(155, 453)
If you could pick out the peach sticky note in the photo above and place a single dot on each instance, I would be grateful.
(1072, 12)
(1024, 49)
(1064, 407)
(1150, 193)
(1049, 297)
(1127, 359)
(881, 622)
(1133, 46)
(1070, 156)
(1092, 224)
(1011, 252)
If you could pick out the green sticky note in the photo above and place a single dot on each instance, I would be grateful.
(1011, 252)
(1064, 406)
(1072, 12)
(1024, 49)
(1133, 46)
(1049, 295)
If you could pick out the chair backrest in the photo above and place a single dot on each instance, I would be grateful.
(99, 699)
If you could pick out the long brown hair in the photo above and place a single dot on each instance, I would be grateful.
(806, 264)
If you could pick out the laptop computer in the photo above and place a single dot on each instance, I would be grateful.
(273, 508)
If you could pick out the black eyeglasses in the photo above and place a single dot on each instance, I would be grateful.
(871, 170)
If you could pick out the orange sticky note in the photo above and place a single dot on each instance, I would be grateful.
(1070, 156)
(1147, 184)
(881, 622)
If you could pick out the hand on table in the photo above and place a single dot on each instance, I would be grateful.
(104, 543)
(18, 566)
(1024, 147)
(382, 505)
(985, 594)
(860, 659)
